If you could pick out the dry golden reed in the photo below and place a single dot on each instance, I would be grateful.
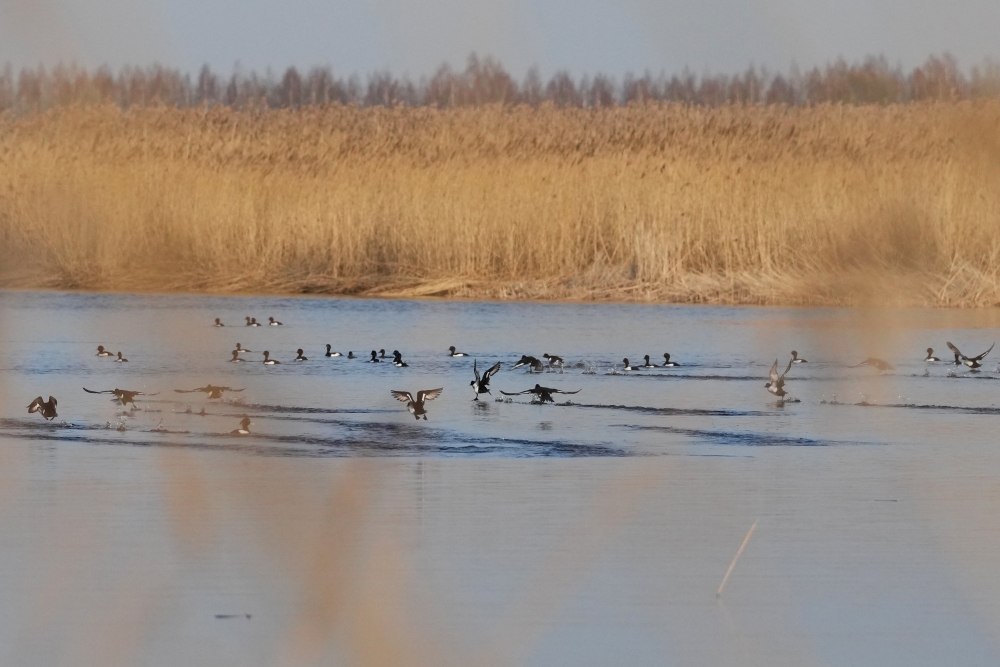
(738, 204)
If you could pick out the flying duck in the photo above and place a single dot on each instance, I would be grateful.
(241, 349)
(397, 360)
(218, 322)
(971, 362)
(930, 355)
(48, 410)
(350, 355)
(481, 385)
(553, 359)
(666, 361)
(268, 361)
(120, 357)
(629, 367)
(880, 364)
(374, 359)
(101, 352)
(542, 394)
(300, 357)
(647, 364)
(532, 363)
(211, 390)
(123, 395)
(416, 407)
(453, 353)
(274, 323)
(796, 359)
(331, 354)
(777, 384)
(244, 428)
(236, 357)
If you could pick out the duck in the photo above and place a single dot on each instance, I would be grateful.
(254, 322)
(416, 406)
(300, 357)
(777, 384)
(46, 408)
(240, 349)
(666, 361)
(249, 323)
(397, 360)
(374, 359)
(331, 354)
(481, 385)
(268, 361)
(123, 395)
(274, 323)
(553, 359)
(218, 322)
(629, 367)
(930, 355)
(120, 358)
(796, 359)
(101, 352)
(236, 357)
(350, 355)
(211, 390)
(542, 394)
(532, 363)
(647, 364)
(244, 428)
(880, 364)
(453, 353)
(971, 362)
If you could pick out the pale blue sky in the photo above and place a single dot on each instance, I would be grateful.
(407, 37)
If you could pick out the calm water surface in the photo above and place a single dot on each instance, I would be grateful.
(591, 532)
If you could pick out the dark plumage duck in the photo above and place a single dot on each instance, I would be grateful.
(123, 395)
(796, 359)
(244, 428)
(300, 356)
(416, 406)
(47, 409)
(628, 366)
(666, 361)
(121, 358)
(880, 364)
(249, 323)
(254, 322)
(101, 352)
(971, 362)
(453, 353)
(777, 384)
(268, 361)
(553, 360)
(236, 357)
(930, 355)
(647, 364)
(381, 354)
(481, 385)
(397, 360)
(532, 363)
(274, 323)
(542, 394)
(211, 390)
(218, 322)
(350, 355)
(329, 353)
(241, 349)
(374, 359)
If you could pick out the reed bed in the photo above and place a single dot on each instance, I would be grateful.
(826, 204)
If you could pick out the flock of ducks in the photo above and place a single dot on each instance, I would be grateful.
(480, 385)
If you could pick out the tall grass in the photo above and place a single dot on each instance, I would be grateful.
(735, 204)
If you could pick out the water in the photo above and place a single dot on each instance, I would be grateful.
(591, 532)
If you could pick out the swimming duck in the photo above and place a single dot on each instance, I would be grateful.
(331, 354)
(350, 355)
(236, 357)
(416, 407)
(123, 395)
(647, 364)
(481, 385)
(47, 409)
(453, 353)
(101, 352)
(374, 359)
(397, 360)
(254, 322)
(211, 390)
(218, 322)
(971, 362)
(930, 355)
(381, 354)
(532, 363)
(796, 359)
(120, 358)
(629, 367)
(268, 361)
(300, 357)
(244, 428)
(241, 349)
(249, 324)
(666, 361)
(542, 394)
(777, 384)
(274, 323)
(880, 364)
(553, 359)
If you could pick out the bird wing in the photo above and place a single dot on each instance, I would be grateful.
(187, 391)
(35, 405)
(231, 389)
(492, 370)
(560, 391)
(475, 370)
(428, 394)
(401, 396)
(516, 393)
(106, 391)
(980, 357)
(774, 371)
(787, 368)
(957, 352)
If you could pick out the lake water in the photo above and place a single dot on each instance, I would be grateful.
(595, 531)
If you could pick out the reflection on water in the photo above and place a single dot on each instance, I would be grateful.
(590, 532)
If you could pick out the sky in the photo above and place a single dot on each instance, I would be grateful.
(415, 37)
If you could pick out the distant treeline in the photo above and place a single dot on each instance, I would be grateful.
(485, 81)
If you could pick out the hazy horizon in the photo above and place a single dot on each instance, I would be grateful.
(595, 36)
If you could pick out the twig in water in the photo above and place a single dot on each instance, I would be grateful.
(743, 546)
